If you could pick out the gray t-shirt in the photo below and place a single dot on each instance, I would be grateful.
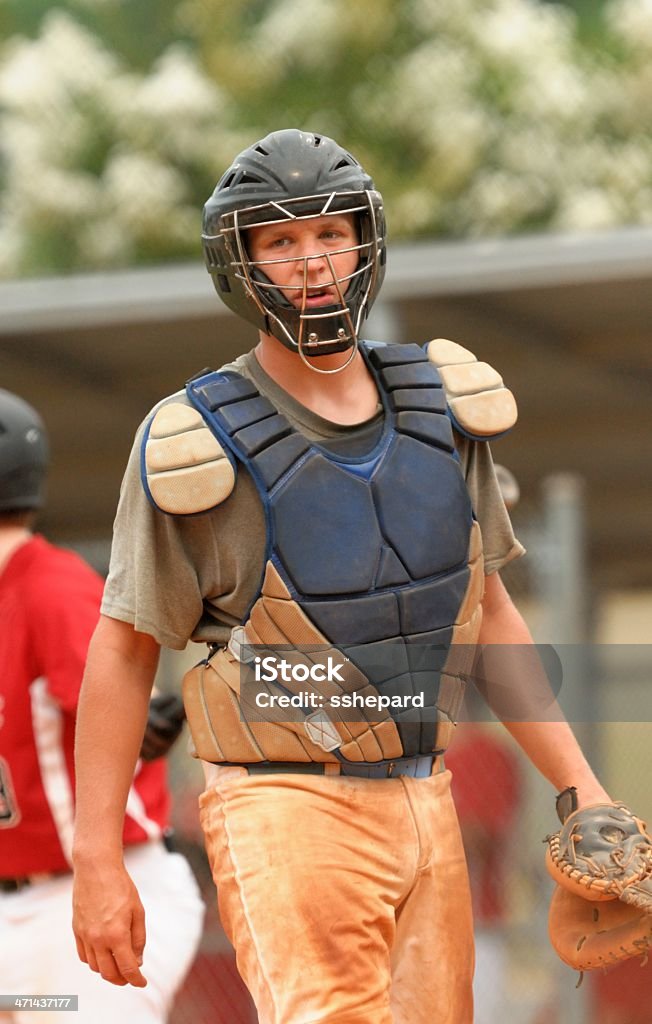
(182, 578)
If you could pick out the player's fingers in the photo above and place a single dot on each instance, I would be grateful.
(91, 960)
(109, 969)
(138, 934)
(81, 950)
(87, 954)
(127, 967)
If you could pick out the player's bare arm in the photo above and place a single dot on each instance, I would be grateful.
(550, 745)
(108, 919)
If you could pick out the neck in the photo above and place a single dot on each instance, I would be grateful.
(11, 538)
(347, 397)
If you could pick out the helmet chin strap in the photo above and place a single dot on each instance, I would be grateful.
(337, 369)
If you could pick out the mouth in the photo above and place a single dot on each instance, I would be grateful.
(315, 297)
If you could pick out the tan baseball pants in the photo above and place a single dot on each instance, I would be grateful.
(346, 899)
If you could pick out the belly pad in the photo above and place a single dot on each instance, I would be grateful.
(375, 559)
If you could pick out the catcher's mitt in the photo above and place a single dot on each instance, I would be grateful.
(601, 910)
(164, 723)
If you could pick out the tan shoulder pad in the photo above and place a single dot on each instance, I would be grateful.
(186, 468)
(481, 404)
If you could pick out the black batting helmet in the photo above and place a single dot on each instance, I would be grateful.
(23, 454)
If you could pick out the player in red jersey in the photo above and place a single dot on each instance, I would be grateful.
(49, 606)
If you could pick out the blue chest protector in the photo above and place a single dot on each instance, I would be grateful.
(374, 548)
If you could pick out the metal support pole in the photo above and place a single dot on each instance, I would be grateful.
(565, 594)
(564, 590)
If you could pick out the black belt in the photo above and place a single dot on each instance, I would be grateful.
(415, 767)
(8, 885)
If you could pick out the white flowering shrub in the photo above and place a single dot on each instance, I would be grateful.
(100, 167)
(498, 100)
(475, 117)
(631, 20)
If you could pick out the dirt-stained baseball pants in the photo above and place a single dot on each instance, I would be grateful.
(346, 899)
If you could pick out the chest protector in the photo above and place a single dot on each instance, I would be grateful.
(373, 578)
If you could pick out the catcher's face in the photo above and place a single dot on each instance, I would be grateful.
(310, 261)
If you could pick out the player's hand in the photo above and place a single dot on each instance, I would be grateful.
(109, 923)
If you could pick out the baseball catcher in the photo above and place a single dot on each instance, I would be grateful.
(601, 859)
(332, 499)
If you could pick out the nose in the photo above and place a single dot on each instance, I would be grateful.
(313, 264)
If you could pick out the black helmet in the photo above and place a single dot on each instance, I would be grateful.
(23, 454)
(286, 176)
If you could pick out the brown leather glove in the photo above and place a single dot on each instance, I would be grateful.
(601, 910)
(164, 723)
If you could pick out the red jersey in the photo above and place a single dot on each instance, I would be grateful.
(49, 607)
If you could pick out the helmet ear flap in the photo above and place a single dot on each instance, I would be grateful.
(275, 295)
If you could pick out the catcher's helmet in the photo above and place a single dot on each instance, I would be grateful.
(23, 454)
(292, 175)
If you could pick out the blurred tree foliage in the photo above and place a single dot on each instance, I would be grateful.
(475, 117)
(137, 30)
(592, 29)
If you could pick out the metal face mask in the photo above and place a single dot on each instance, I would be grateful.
(310, 330)
(290, 177)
